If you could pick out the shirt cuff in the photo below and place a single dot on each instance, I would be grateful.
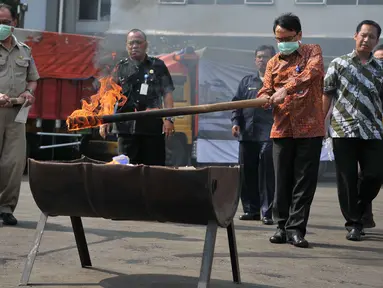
(290, 89)
(235, 122)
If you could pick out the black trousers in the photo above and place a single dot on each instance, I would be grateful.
(296, 164)
(257, 177)
(143, 149)
(356, 193)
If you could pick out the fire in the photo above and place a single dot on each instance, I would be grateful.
(102, 103)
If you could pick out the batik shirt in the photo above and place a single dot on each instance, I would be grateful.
(357, 91)
(301, 74)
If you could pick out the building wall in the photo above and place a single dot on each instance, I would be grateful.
(35, 17)
(44, 15)
(317, 20)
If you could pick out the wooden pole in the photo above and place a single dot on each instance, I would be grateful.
(83, 122)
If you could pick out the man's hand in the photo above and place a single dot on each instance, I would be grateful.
(168, 128)
(104, 130)
(5, 101)
(29, 98)
(279, 96)
(235, 130)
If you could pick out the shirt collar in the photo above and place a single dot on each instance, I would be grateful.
(354, 56)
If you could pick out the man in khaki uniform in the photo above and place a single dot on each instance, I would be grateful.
(18, 76)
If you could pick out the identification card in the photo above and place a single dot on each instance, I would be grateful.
(144, 89)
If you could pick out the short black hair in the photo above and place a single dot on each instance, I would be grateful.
(369, 22)
(265, 47)
(11, 10)
(288, 21)
(135, 30)
(378, 48)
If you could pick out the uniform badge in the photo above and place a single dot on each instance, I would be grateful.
(151, 71)
(20, 57)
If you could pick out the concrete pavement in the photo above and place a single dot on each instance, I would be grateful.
(137, 254)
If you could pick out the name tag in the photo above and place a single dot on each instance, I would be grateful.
(144, 89)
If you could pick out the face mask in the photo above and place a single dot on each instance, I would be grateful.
(5, 31)
(287, 48)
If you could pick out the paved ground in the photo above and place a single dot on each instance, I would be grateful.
(135, 254)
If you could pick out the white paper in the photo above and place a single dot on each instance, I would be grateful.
(144, 89)
(22, 116)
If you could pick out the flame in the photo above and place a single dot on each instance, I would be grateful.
(102, 103)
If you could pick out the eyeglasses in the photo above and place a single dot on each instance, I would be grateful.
(286, 39)
(6, 22)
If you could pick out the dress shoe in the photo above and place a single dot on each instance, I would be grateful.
(267, 221)
(298, 240)
(368, 223)
(354, 235)
(249, 216)
(279, 237)
(9, 219)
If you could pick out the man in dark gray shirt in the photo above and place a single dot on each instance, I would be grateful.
(252, 127)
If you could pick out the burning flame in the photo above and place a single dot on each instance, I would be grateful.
(102, 103)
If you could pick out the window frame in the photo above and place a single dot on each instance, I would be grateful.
(172, 3)
(98, 13)
(272, 2)
(324, 2)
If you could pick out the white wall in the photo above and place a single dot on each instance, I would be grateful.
(317, 20)
(35, 17)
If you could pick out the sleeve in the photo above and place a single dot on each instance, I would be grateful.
(167, 81)
(314, 69)
(239, 95)
(268, 83)
(115, 74)
(32, 73)
(331, 79)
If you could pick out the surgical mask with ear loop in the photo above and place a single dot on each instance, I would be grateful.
(286, 48)
(5, 31)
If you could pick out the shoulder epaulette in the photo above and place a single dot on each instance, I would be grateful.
(122, 61)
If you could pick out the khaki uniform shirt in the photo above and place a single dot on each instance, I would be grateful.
(17, 68)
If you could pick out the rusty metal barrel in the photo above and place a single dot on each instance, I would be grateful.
(88, 188)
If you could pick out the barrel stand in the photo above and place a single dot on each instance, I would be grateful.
(82, 246)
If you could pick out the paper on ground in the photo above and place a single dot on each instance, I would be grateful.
(22, 116)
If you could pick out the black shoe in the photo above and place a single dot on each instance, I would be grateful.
(279, 237)
(249, 216)
(267, 221)
(368, 223)
(9, 219)
(362, 232)
(354, 235)
(298, 240)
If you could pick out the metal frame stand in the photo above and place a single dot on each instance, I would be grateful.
(81, 243)
(82, 246)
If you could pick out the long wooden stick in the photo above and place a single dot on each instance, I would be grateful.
(78, 123)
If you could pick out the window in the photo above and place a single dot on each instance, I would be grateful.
(94, 10)
(259, 2)
(88, 10)
(172, 1)
(105, 10)
(230, 2)
(310, 1)
(178, 93)
(201, 2)
(370, 2)
(341, 2)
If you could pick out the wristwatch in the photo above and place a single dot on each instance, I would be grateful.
(171, 119)
(29, 90)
